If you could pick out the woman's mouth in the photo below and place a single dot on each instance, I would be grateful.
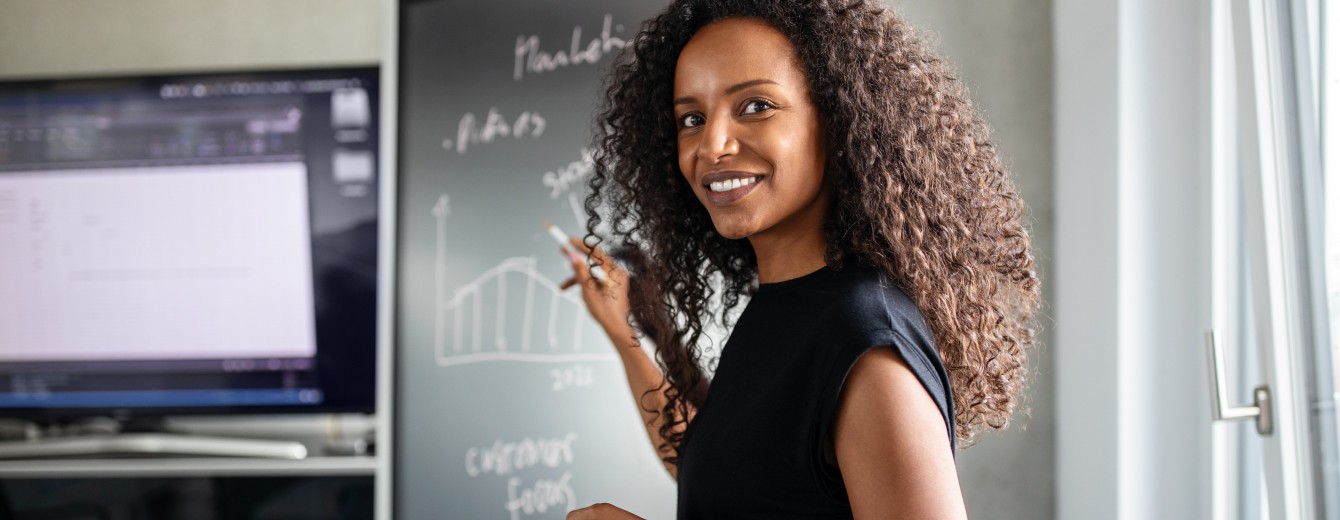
(725, 191)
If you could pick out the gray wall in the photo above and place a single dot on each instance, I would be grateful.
(1002, 48)
(1003, 52)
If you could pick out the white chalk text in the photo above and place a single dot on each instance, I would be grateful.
(529, 59)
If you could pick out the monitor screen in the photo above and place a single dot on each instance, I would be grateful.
(189, 244)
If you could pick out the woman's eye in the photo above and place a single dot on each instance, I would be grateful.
(756, 106)
(690, 120)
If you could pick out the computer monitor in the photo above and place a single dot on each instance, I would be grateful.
(191, 244)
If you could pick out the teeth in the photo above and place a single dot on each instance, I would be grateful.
(731, 184)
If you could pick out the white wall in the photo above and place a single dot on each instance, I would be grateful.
(61, 38)
(1133, 429)
(1002, 48)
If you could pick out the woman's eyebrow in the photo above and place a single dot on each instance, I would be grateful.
(744, 85)
(686, 100)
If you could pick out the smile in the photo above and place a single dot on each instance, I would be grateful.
(727, 187)
(731, 184)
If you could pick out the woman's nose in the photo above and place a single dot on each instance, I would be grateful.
(719, 140)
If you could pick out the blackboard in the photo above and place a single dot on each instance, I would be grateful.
(510, 402)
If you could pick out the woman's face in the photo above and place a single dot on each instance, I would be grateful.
(750, 140)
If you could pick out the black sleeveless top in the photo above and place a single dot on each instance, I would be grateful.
(755, 449)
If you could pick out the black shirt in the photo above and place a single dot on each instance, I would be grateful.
(755, 449)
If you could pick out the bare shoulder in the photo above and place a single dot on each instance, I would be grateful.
(883, 403)
(892, 444)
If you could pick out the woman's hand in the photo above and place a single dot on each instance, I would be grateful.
(607, 301)
(601, 512)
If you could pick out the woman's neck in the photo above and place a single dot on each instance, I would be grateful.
(786, 255)
(795, 246)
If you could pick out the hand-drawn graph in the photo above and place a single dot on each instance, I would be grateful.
(462, 335)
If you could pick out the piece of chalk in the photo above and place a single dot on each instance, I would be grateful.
(563, 241)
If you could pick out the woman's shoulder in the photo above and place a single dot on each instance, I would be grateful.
(867, 299)
(871, 311)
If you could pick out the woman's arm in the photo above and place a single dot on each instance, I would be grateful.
(891, 444)
(608, 304)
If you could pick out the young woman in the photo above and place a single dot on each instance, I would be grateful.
(815, 158)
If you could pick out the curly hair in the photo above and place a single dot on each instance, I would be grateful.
(917, 189)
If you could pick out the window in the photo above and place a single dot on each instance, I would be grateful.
(1275, 252)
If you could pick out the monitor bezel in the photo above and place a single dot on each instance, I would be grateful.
(367, 398)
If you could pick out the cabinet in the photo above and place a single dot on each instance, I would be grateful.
(204, 488)
(188, 488)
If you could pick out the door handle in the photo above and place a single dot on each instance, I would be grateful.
(1220, 410)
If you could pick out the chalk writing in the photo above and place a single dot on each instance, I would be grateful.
(560, 181)
(470, 131)
(503, 458)
(530, 59)
(568, 180)
(573, 376)
(541, 496)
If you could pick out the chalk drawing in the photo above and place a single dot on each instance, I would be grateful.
(462, 341)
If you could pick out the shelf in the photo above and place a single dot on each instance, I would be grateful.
(188, 467)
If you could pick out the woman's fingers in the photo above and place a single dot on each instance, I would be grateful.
(606, 271)
(581, 272)
(577, 262)
(597, 253)
(578, 243)
(601, 511)
(603, 282)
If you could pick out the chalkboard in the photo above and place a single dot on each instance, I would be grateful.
(510, 401)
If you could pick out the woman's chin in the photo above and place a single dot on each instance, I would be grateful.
(733, 230)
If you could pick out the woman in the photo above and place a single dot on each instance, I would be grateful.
(817, 159)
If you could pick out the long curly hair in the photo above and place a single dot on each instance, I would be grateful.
(917, 188)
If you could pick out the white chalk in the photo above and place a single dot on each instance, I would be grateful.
(566, 244)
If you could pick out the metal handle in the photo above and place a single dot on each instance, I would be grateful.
(1220, 410)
